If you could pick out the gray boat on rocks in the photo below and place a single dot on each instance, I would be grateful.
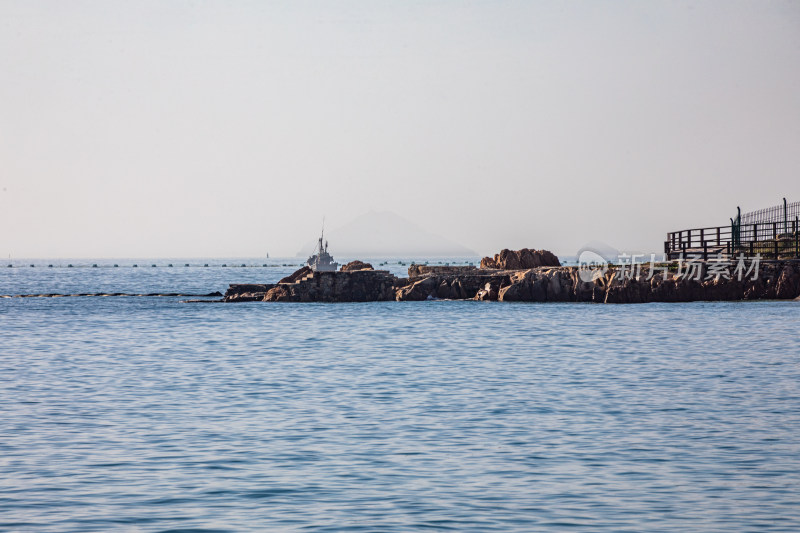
(321, 260)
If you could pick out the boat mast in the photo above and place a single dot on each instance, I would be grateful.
(322, 236)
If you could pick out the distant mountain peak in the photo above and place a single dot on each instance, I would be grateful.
(387, 234)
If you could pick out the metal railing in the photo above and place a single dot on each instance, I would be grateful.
(783, 214)
(773, 232)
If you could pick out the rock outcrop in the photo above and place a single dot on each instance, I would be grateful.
(451, 283)
(356, 286)
(356, 265)
(421, 270)
(297, 275)
(775, 280)
(520, 259)
(246, 292)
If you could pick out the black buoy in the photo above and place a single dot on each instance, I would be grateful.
(244, 265)
(205, 265)
(153, 266)
(69, 265)
(10, 266)
(116, 265)
(224, 265)
(264, 265)
(94, 265)
(186, 265)
(135, 266)
(33, 266)
(49, 266)
(169, 265)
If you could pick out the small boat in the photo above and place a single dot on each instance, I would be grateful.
(322, 261)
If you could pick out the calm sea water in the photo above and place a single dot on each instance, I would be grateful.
(149, 414)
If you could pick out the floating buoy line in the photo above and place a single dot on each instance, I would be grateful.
(108, 294)
(170, 265)
(207, 265)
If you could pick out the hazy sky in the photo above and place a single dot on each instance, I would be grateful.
(229, 128)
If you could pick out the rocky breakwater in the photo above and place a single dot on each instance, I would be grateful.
(779, 280)
(355, 282)
(666, 283)
(471, 283)
(528, 281)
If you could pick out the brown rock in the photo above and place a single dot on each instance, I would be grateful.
(518, 291)
(520, 259)
(491, 291)
(458, 290)
(246, 292)
(444, 291)
(788, 285)
(440, 270)
(297, 275)
(356, 286)
(353, 266)
(419, 290)
(278, 293)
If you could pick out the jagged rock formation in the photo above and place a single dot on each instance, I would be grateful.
(353, 266)
(356, 286)
(776, 280)
(246, 292)
(520, 259)
(421, 270)
(297, 275)
(453, 284)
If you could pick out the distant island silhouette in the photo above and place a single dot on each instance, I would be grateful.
(387, 234)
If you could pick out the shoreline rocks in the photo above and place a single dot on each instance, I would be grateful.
(520, 259)
(297, 275)
(356, 265)
(552, 283)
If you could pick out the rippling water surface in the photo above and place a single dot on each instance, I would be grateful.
(149, 414)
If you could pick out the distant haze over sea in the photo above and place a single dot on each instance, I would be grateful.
(387, 234)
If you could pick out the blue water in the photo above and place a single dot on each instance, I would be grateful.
(155, 275)
(148, 414)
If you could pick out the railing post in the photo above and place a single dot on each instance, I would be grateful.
(751, 248)
(776, 249)
(702, 237)
(785, 217)
(774, 230)
(755, 232)
(718, 238)
(705, 250)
